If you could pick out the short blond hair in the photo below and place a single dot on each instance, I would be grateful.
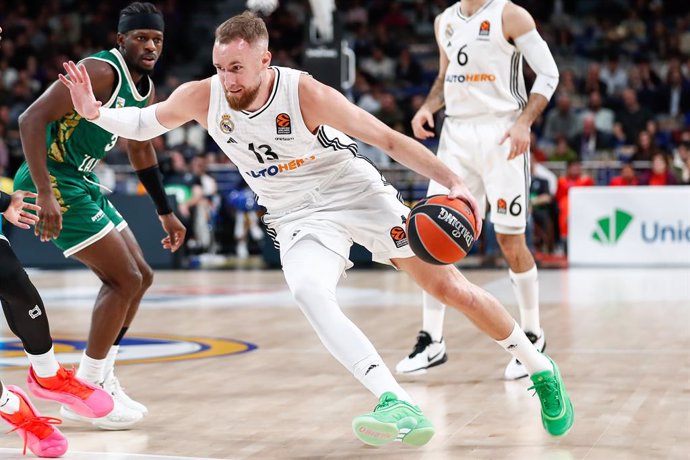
(247, 26)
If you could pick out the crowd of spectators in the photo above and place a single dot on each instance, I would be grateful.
(621, 114)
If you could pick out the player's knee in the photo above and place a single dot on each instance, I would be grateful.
(512, 245)
(452, 291)
(308, 290)
(127, 283)
(146, 276)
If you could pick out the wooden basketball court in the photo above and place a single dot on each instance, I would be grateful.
(621, 337)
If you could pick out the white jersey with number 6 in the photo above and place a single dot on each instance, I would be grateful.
(484, 75)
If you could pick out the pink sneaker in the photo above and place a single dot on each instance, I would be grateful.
(38, 432)
(81, 397)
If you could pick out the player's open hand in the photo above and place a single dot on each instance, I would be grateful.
(17, 214)
(79, 85)
(519, 140)
(50, 217)
(175, 230)
(423, 116)
(460, 190)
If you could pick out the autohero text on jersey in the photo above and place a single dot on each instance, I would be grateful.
(280, 168)
(470, 77)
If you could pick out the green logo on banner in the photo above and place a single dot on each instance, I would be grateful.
(610, 229)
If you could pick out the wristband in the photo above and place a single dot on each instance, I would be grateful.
(153, 183)
(5, 201)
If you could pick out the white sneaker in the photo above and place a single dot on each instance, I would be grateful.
(120, 418)
(515, 369)
(112, 385)
(242, 250)
(426, 354)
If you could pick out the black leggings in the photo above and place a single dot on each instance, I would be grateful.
(22, 304)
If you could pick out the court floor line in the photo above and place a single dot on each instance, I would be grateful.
(82, 455)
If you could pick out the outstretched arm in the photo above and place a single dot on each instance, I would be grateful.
(186, 103)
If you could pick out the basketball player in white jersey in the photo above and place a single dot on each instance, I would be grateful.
(285, 132)
(485, 140)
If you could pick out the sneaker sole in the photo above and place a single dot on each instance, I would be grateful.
(423, 370)
(567, 430)
(103, 425)
(418, 437)
(373, 432)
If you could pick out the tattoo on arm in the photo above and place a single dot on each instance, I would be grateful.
(435, 100)
(535, 106)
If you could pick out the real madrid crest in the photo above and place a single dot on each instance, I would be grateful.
(449, 31)
(226, 124)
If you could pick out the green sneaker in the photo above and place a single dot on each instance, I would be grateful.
(393, 419)
(557, 413)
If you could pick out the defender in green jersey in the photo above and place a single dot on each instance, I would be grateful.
(61, 152)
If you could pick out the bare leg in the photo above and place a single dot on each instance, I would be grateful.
(111, 260)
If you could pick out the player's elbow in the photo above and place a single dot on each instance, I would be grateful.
(554, 74)
(25, 119)
(31, 117)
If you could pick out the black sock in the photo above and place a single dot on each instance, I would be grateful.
(122, 333)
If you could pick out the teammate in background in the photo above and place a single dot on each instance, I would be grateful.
(485, 140)
(285, 133)
(76, 216)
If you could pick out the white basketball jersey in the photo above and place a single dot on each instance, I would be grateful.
(279, 158)
(484, 75)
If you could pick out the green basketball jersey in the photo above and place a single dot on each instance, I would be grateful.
(78, 144)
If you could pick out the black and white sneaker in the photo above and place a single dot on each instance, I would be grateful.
(515, 369)
(426, 354)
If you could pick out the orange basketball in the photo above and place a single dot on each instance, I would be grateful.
(441, 231)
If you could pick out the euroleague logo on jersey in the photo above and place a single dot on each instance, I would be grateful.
(484, 29)
(399, 236)
(283, 124)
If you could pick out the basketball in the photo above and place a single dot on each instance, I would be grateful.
(441, 231)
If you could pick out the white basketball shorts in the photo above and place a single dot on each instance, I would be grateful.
(472, 151)
(357, 205)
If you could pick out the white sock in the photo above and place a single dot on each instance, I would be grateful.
(433, 313)
(9, 402)
(45, 365)
(526, 289)
(91, 369)
(110, 360)
(376, 377)
(518, 345)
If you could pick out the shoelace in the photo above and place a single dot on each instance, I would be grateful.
(387, 401)
(71, 385)
(547, 390)
(34, 423)
(113, 385)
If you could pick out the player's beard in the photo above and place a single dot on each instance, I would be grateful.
(143, 70)
(244, 100)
